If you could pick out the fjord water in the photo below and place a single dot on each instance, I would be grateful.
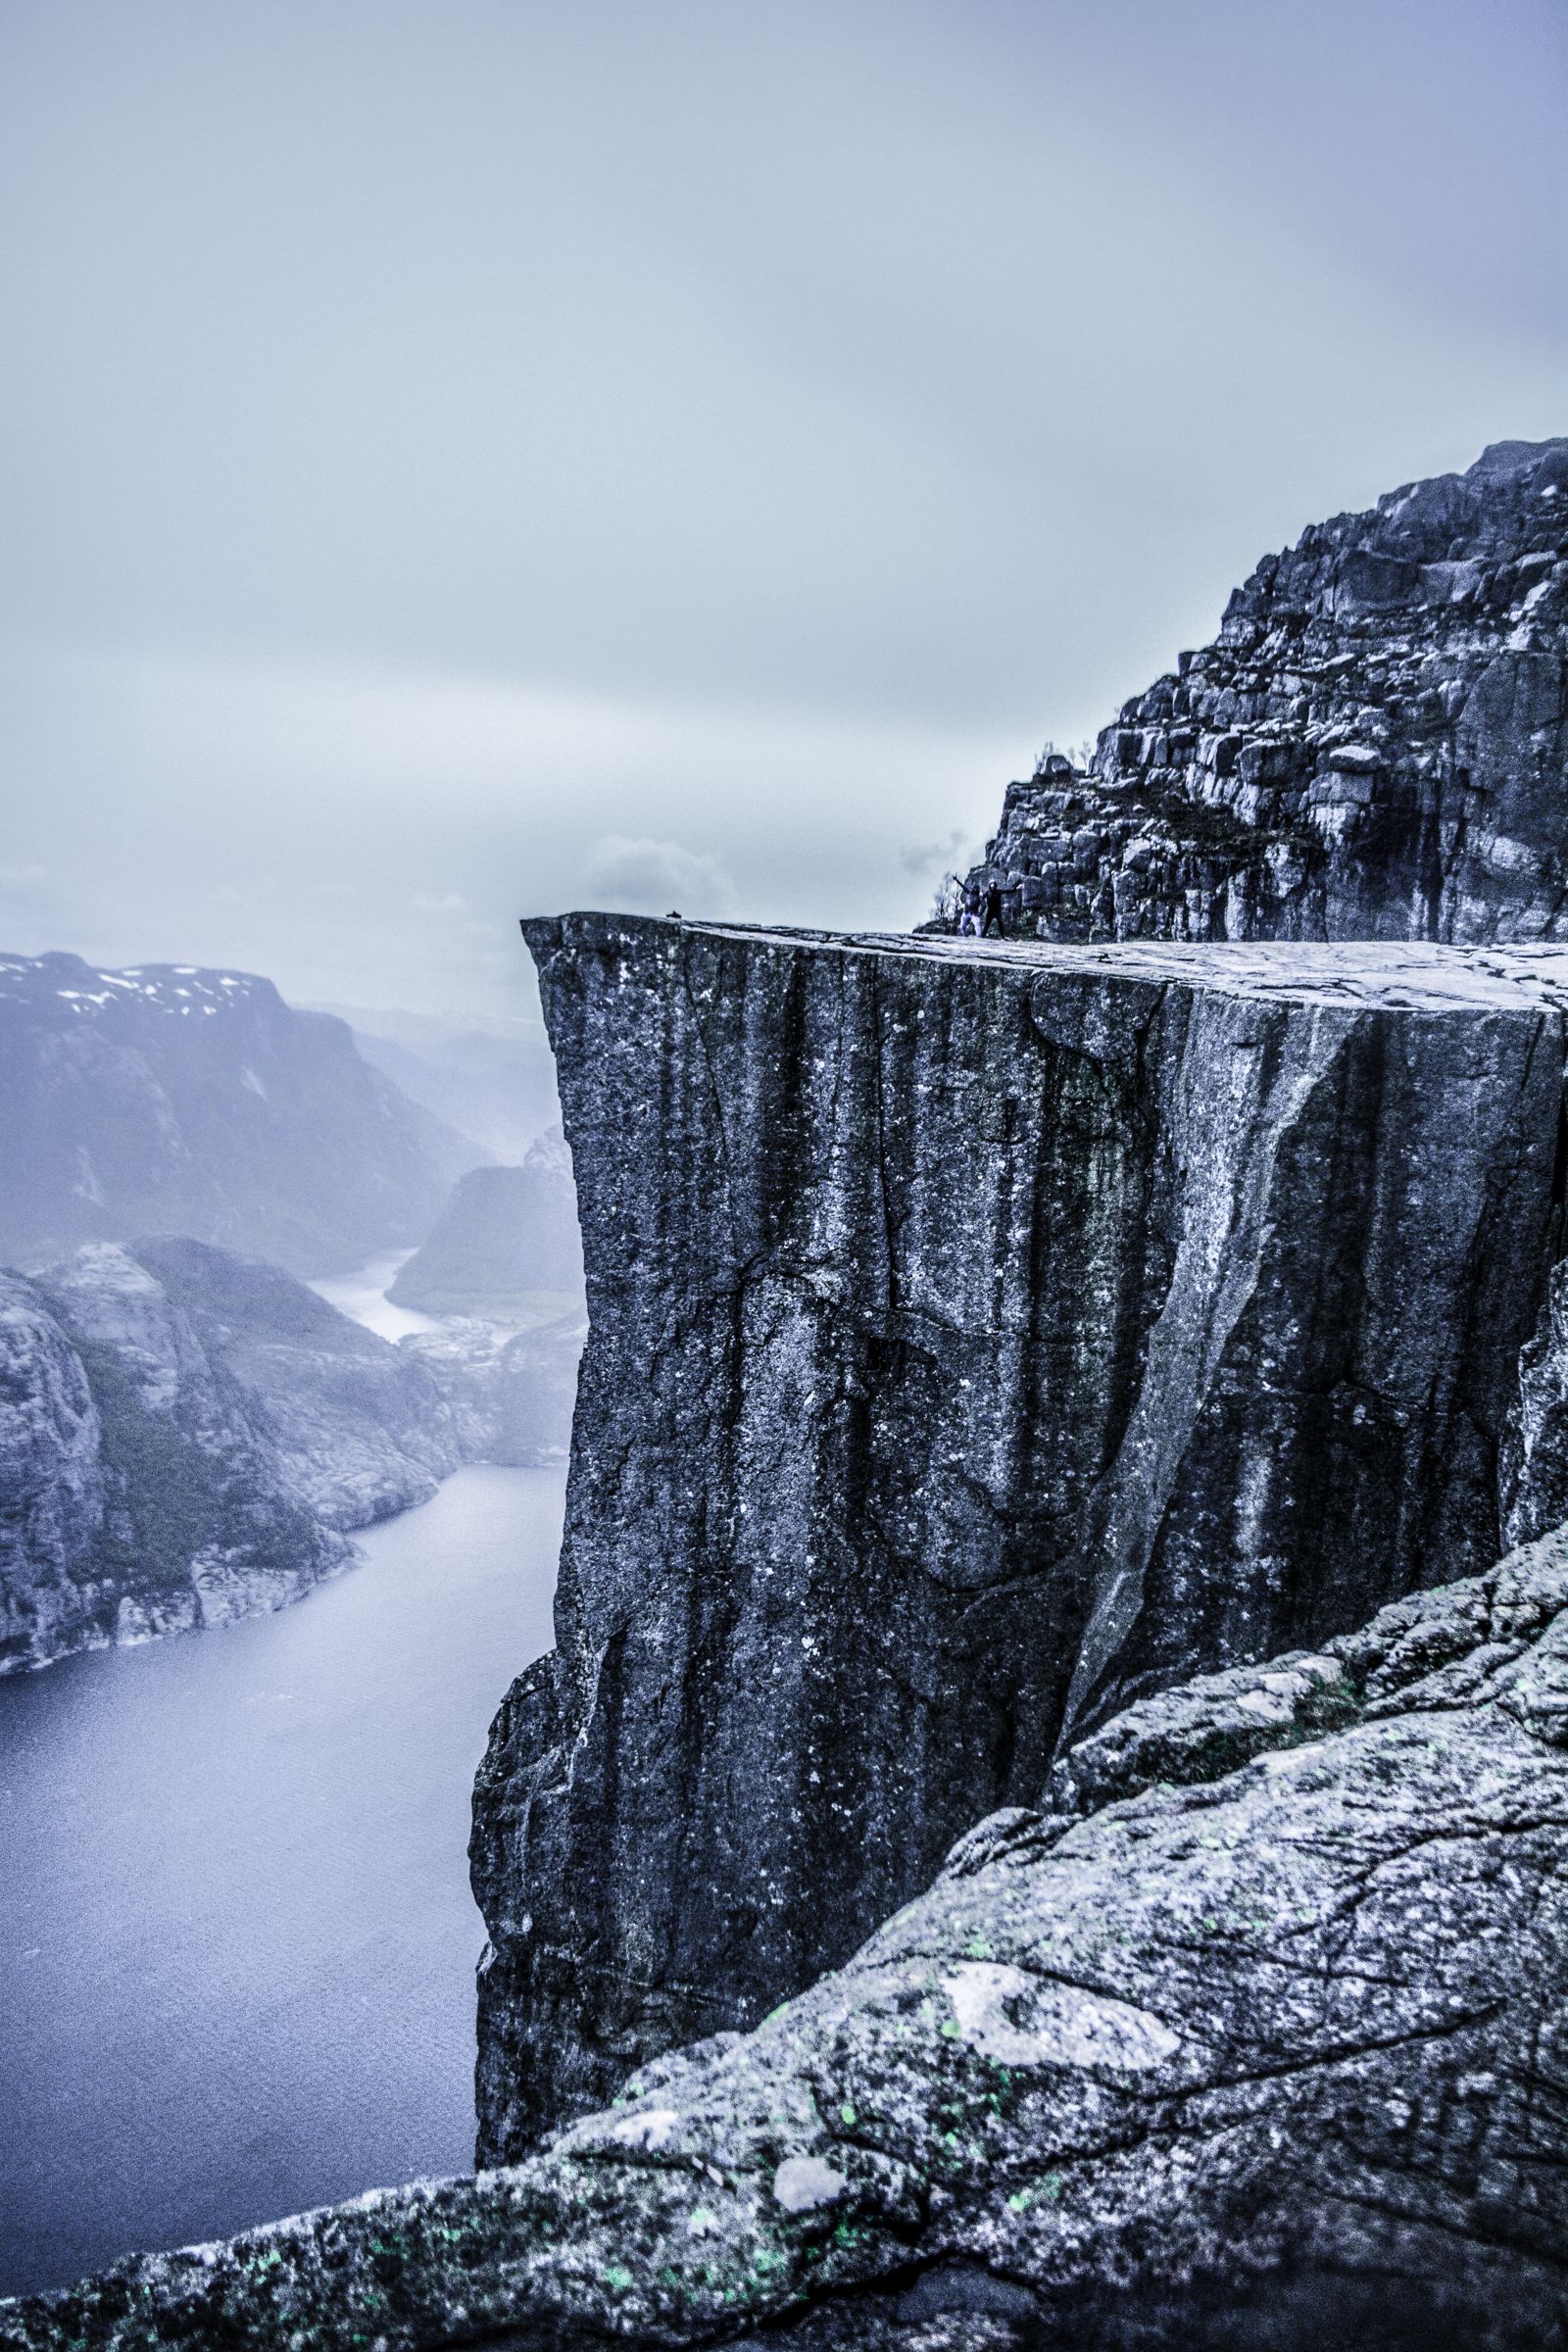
(236, 1938)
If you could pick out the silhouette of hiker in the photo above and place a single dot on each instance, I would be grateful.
(993, 914)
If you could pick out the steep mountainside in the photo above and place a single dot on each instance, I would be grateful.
(979, 1336)
(499, 1090)
(506, 1243)
(167, 1100)
(1375, 747)
(1250, 2036)
(184, 1433)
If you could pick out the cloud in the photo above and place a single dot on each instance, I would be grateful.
(446, 902)
(938, 857)
(656, 877)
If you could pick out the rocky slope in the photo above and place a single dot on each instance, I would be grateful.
(1375, 746)
(1251, 2034)
(505, 1244)
(979, 1336)
(169, 1100)
(509, 1393)
(183, 1436)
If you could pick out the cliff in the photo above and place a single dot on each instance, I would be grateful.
(506, 1246)
(1251, 2035)
(183, 1436)
(1375, 746)
(980, 1338)
(171, 1099)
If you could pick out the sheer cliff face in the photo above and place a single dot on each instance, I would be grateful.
(1375, 747)
(978, 1338)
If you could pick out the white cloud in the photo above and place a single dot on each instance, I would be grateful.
(657, 877)
(951, 855)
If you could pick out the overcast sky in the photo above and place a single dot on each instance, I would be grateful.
(467, 457)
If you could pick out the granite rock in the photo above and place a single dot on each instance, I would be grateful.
(981, 1337)
(1374, 747)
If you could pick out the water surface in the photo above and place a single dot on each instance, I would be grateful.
(362, 1295)
(236, 1938)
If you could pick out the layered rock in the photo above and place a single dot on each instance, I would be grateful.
(184, 1435)
(505, 1244)
(166, 1099)
(1375, 746)
(1268, 2055)
(980, 1336)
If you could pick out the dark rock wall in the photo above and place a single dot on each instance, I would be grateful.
(978, 1339)
(1374, 747)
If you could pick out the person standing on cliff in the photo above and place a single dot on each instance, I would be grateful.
(969, 918)
(993, 914)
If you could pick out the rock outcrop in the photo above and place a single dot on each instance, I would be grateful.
(505, 1246)
(1375, 746)
(980, 1338)
(171, 1099)
(184, 1435)
(1267, 2055)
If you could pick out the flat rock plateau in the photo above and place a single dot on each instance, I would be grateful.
(1046, 1827)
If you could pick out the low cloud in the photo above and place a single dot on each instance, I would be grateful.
(656, 877)
(938, 857)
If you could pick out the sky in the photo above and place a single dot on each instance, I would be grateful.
(466, 457)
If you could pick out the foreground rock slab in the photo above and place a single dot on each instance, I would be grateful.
(981, 1336)
(1276, 2055)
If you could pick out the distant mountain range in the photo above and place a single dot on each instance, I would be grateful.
(170, 1099)
(506, 1246)
(492, 1081)
(186, 1434)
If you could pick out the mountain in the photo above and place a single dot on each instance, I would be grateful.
(1046, 1821)
(184, 1435)
(1374, 747)
(493, 1083)
(505, 1244)
(980, 1336)
(167, 1098)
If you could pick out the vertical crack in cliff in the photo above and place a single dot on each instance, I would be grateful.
(1227, 1194)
